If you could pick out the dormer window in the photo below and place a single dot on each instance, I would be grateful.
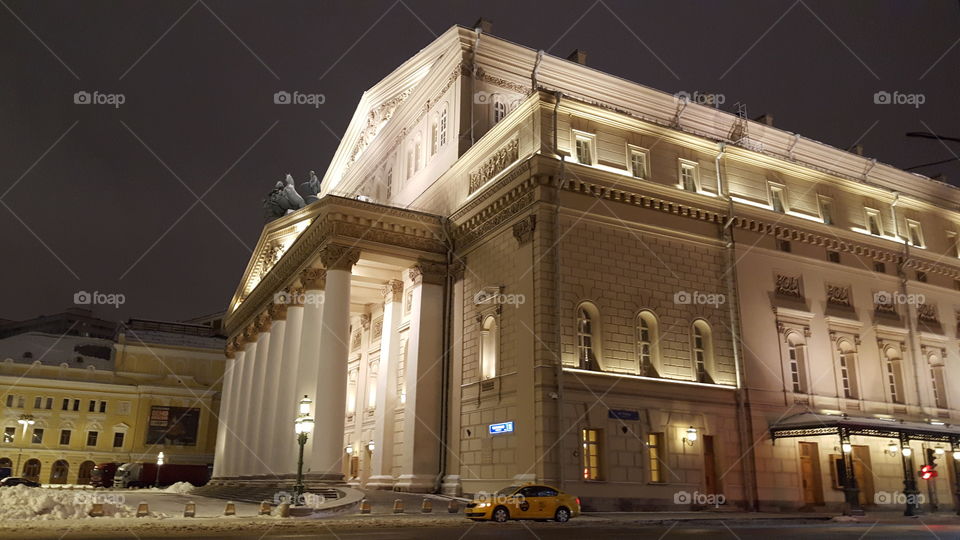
(639, 163)
(584, 147)
(777, 199)
(915, 234)
(874, 225)
(689, 176)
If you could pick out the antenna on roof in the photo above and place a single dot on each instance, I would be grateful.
(739, 132)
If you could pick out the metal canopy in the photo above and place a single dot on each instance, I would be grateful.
(810, 424)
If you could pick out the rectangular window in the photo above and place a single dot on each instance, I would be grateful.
(826, 210)
(921, 276)
(103, 406)
(784, 245)
(38, 403)
(76, 404)
(893, 381)
(65, 436)
(654, 449)
(118, 440)
(776, 199)
(21, 403)
(37, 436)
(66, 404)
(936, 380)
(880, 267)
(49, 404)
(591, 453)
(794, 355)
(874, 225)
(92, 437)
(92, 407)
(10, 400)
(8, 434)
(833, 256)
(585, 152)
(689, 177)
(847, 366)
(638, 163)
(915, 233)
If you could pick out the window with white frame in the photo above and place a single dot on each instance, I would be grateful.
(826, 209)
(489, 337)
(796, 362)
(499, 108)
(702, 351)
(893, 375)
(443, 126)
(585, 148)
(848, 369)
(647, 344)
(587, 316)
(937, 384)
(434, 136)
(914, 233)
(689, 176)
(639, 162)
(874, 224)
(417, 154)
(777, 198)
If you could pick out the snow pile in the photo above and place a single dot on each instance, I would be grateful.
(180, 487)
(22, 502)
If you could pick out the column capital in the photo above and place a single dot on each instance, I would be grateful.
(392, 291)
(523, 229)
(278, 312)
(314, 279)
(250, 333)
(295, 296)
(457, 269)
(337, 257)
(262, 323)
(365, 321)
(428, 272)
(231, 349)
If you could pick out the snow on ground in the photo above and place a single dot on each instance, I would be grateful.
(180, 487)
(22, 502)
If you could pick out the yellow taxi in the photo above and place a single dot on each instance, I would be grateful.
(529, 501)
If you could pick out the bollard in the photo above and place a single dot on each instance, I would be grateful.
(265, 508)
(190, 510)
(284, 509)
(230, 509)
(426, 506)
(398, 506)
(454, 506)
(97, 510)
(143, 509)
(364, 506)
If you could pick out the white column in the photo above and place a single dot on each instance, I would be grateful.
(424, 373)
(451, 482)
(381, 474)
(284, 459)
(226, 392)
(313, 281)
(242, 407)
(252, 465)
(330, 408)
(266, 444)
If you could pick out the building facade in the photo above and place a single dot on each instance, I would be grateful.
(521, 268)
(72, 398)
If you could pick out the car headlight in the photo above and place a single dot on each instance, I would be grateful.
(483, 505)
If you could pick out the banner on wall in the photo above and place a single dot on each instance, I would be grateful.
(173, 425)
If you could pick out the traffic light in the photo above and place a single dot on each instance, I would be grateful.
(929, 470)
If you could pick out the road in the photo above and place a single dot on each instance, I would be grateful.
(492, 531)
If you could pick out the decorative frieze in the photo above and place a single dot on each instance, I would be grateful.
(839, 295)
(927, 313)
(495, 164)
(883, 304)
(789, 286)
(377, 328)
(355, 341)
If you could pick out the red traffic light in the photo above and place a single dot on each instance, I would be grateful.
(928, 471)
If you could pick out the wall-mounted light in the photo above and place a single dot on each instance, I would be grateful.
(938, 450)
(907, 451)
(370, 446)
(348, 449)
(691, 436)
(893, 448)
(956, 455)
(846, 447)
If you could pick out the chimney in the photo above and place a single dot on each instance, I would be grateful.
(857, 149)
(579, 56)
(765, 119)
(485, 25)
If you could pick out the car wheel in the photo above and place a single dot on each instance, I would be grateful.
(562, 515)
(500, 514)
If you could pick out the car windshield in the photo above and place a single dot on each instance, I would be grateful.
(508, 491)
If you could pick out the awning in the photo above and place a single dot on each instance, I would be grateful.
(810, 424)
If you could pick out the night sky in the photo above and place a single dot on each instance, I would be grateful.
(99, 198)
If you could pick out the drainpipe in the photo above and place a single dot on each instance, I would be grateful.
(473, 79)
(558, 344)
(741, 394)
(445, 365)
(536, 70)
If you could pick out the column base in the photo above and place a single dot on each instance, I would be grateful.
(451, 485)
(415, 483)
(380, 482)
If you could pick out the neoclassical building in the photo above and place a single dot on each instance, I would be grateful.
(522, 268)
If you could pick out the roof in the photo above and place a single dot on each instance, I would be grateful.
(172, 339)
(811, 424)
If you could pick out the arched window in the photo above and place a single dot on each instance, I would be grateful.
(443, 126)
(937, 383)
(6, 462)
(848, 369)
(702, 351)
(59, 471)
(588, 343)
(893, 373)
(435, 134)
(489, 348)
(499, 108)
(85, 472)
(31, 469)
(648, 345)
(796, 362)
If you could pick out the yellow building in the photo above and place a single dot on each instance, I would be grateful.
(71, 398)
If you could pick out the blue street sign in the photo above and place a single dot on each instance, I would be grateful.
(621, 414)
(502, 427)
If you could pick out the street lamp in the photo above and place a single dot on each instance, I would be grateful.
(25, 420)
(691, 436)
(302, 425)
(160, 458)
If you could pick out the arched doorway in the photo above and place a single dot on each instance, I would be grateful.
(6, 462)
(59, 472)
(85, 472)
(31, 470)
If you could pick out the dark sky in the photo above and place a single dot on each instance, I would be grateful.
(98, 211)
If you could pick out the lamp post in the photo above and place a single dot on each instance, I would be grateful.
(160, 458)
(25, 421)
(910, 491)
(302, 425)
